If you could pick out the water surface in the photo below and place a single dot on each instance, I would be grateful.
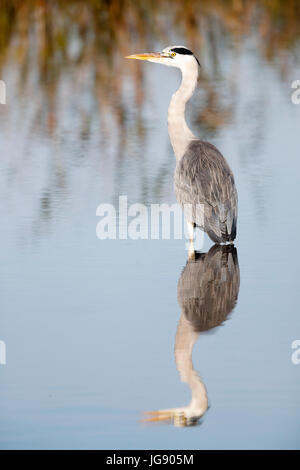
(90, 325)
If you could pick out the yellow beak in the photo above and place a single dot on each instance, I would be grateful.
(153, 56)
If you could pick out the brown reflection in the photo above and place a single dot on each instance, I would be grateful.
(53, 38)
(207, 292)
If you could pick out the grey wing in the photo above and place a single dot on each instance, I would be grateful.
(204, 180)
(208, 287)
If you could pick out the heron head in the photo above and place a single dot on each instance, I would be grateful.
(173, 56)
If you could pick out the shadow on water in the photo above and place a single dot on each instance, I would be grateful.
(207, 293)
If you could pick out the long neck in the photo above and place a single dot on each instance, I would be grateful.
(179, 132)
(184, 343)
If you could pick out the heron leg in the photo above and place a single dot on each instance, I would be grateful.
(191, 249)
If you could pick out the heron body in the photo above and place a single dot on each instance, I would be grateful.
(204, 183)
(204, 180)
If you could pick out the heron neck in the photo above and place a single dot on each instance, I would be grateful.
(184, 343)
(179, 132)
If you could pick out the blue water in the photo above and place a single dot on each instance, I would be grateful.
(89, 325)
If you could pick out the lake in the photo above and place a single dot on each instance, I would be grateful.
(96, 331)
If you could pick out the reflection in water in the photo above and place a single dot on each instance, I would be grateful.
(207, 292)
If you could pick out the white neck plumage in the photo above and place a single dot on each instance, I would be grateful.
(184, 343)
(179, 132)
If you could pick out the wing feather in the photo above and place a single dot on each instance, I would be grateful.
(204, 179)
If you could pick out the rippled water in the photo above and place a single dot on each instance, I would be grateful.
(90, 325)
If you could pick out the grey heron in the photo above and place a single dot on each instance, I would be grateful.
(204, 183)
(207, 293)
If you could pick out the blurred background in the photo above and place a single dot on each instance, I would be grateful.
(90, 325)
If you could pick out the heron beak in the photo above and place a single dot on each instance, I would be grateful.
(154, 416)
(151, 56)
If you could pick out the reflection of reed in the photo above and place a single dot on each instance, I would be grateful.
(207, 293)
(67, 35)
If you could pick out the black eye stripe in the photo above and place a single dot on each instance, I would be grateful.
(182, 50)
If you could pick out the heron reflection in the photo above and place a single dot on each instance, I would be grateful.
(207, 292)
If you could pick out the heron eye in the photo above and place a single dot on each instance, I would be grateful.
(173, 54)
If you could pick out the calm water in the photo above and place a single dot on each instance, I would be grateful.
(90, 325)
